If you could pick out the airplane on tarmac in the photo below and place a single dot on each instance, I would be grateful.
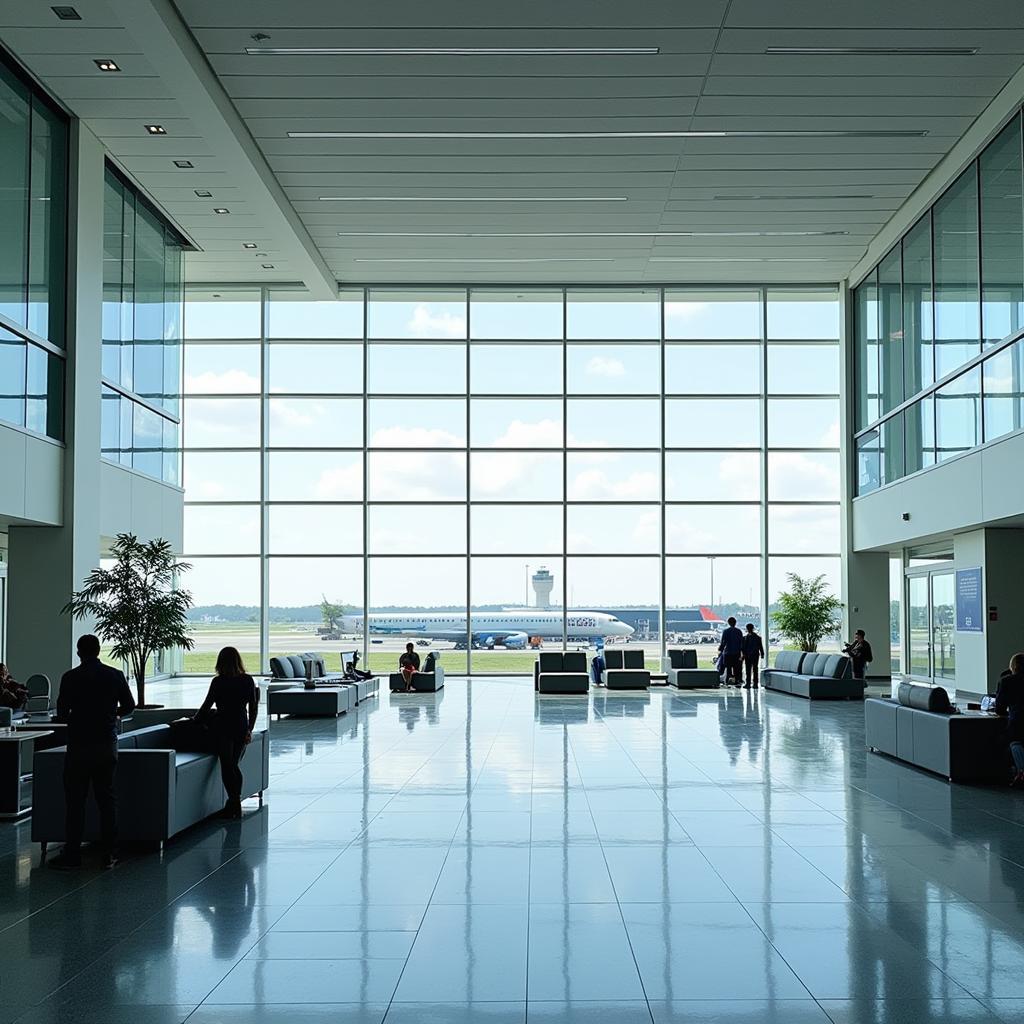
(511, 629)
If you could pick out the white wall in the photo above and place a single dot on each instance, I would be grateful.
(32, 470)
(133, 503)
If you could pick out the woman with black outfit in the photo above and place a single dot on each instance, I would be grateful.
(237, 700)
(1010, 702)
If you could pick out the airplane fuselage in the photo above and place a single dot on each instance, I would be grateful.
(452, 626)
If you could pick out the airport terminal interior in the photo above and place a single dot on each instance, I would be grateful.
(541, 341)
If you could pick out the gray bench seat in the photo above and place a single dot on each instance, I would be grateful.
(681, 668)
(624, 670)
(327, 701)
(816, 676)
(561, 672)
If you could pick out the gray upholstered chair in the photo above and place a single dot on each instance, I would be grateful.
(38, 687)
(625, 670)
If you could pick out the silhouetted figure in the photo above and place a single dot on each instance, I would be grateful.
(860, 654)
(91, 699)
(12, 694)
(730, 648)
(237, 700)
(1010, 702)
(409, 665)
(752, 649)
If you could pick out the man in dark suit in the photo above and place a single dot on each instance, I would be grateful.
(729, 648)
(752, 649)
(91, 699)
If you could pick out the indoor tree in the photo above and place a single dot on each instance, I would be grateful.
(807, 612)
(134, 604)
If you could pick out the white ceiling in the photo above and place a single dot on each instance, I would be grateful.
(711, 74)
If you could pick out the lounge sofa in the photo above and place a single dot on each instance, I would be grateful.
(319, 701)
(921, 728)
(160, 791)
(291, 670)
(680, 666)
(561, 672)
(430, 680)
(624, 670)
(814, 676)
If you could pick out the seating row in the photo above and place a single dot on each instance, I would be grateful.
(429, 680)
(566, 671)
(681, 668)
(814, 676)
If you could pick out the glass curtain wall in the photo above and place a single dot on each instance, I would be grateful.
(33, 226)
(925, 317)
(141, 357)
(496, 465)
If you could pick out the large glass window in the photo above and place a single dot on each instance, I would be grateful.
(529, 485)
(890, 326)
(918, 316)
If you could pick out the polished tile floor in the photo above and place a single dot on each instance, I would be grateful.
(481, 855)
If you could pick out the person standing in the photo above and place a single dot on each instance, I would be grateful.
(752, 649)
(91, 699)
(409, 665)
(730, 648)
(233, 691)
(12, 694)
(1010, 703)
(860, 654)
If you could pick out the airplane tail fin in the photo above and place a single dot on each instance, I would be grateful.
(708, 614)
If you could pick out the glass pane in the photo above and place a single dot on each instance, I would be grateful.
(803, 476)
(614, 423)
(44, 406)
(614, 370)
(713, 423)
(514, 529)
(225, 603)
(113, 258)
(417, 476)
(292, 317)
(895, 614)
(315, 476)
(803, 423)
(222, 476)
(920, 639)
(713, 369)
(228, 314)
(222, 530)
(866, 352)
(712, 529)
(13, 359)
(516, 369)
(514, 315)
(699, 592)
(957, 309)
(613, 529)
(47, 242)
(172, 453)
(316, 422)
(416, 369)
(406, 314)
(148, 441)
(918, 328)
(803, 529)
(316, 529)
(626, 314)
(14, 198)
(110, 421)
(326, 369)
(222, 369)
(943, 625)
(713, 315)
(1004, 391)
(222, 422)
(149, 281)
(426, 423)
(891, 444)
(958, 414)
(890, 313)
(410, 529)
(803, 369)
(797, 315)
(515, 476)
(610, 476)
(712, 476)
(919, 430)
(869, 466)
(518, 423)
(778, 567)
(1002, 234)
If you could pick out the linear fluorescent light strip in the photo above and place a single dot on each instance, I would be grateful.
(834, 195)
(753, 134)
(589, 234)
(473, 259)
(738, 259)
(451, 51)
(473, 199)
(902, 51)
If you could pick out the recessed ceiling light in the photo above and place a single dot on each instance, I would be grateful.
(155, 129)
(833, 195)
(262, 254)
(248, 245)
(753, 134)
(474, 259)
(267, 266)
(474, 199)
(451, 51)
(898, 51)
(183, 163)
(588, 234)
(203, 193)
(221, 209)
(66, 13)
(104, 64)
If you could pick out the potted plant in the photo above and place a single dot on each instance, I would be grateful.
(807, 612)
(134, 604)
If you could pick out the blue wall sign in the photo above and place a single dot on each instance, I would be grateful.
(969, 617)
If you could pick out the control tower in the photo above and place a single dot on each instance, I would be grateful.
(543, 583)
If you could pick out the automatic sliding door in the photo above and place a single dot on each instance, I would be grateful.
(919, 626)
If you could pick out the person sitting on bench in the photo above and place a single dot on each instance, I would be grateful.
(354, 673)
(409, 665)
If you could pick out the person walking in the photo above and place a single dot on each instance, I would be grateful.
(730, 648)
(91, 699)
(233, 691)
(752, 649)
(860, 654)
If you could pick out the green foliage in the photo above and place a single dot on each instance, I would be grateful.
(807, 612)
(331, 613)
(133, 604)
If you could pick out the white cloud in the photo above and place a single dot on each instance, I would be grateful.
(684, 310)
(342, 483)
(415, 437)
(798, 476)
(230, 382)
(425, 324)
(539, 434)
(417, 476)
(599, 485)
(603, 366)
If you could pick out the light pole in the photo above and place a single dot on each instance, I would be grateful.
(711, 559)
(527, 605)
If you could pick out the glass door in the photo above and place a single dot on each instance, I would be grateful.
(943, 639)
(919, 627)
